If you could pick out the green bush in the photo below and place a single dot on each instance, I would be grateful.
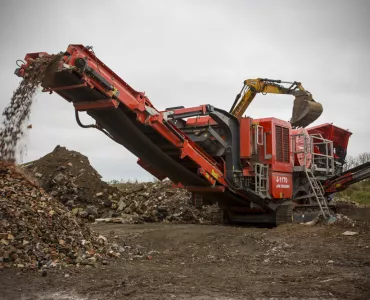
(358, 192)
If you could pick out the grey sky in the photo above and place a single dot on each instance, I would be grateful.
(190, 53)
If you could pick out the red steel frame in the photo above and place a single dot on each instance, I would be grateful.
(136, 102)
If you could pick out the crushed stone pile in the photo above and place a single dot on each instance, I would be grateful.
(68, 176)
(156, 202)
(37, 231)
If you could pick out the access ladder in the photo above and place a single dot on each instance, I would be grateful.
(261, 172)
(318, 192)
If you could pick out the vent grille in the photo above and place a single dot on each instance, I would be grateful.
(282, 144)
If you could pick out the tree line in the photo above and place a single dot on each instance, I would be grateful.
(354, 161)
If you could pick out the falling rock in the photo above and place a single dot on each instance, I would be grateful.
(99, 194)
(39, 175)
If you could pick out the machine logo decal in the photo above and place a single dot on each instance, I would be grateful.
(282, 182)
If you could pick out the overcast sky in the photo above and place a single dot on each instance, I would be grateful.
(190, 53)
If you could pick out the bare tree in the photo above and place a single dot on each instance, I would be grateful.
(350, 163)
(363, 158)
(360, 159)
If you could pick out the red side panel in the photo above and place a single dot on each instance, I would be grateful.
(278, 148)
(200, 121)
(245, 137)
(281, 185)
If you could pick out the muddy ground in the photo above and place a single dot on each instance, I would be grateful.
(213, 262)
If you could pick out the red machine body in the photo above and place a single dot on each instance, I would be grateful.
(337, 135)
(272, 138)
(266, 141)
(274, 146)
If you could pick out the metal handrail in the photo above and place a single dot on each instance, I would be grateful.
(315, 140)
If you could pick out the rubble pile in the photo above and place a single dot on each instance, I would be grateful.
(156, 202)
(68, 176)
(37, 231)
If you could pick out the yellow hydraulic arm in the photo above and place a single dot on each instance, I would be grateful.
(305, 109)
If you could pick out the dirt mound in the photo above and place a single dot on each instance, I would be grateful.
(38, 231)
(17, 112)
(68, 176)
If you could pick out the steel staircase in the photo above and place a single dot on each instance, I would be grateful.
(318, 192)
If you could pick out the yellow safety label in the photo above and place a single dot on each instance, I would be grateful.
(214, 174)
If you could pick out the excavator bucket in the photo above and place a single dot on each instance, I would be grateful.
(305, 110)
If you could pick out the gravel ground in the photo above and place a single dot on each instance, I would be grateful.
(206, 262)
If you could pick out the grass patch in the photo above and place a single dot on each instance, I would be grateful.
(358, 192)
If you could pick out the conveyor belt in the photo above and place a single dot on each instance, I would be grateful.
(347, 178)
(129, 118)
(147, 144)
